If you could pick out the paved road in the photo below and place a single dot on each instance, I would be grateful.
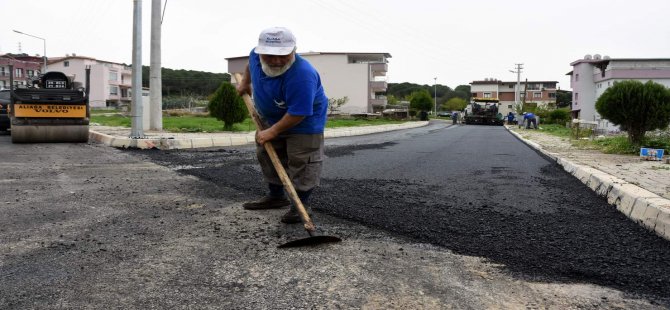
(86, 225)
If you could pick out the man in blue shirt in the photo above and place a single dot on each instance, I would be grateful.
(291, 101)
(530, 118)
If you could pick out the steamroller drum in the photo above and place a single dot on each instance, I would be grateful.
(49, 133)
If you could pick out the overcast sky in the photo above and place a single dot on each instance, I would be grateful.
(455, 41)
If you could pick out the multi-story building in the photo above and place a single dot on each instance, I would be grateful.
(110, 82)
(536, 93)
(26, 68)
(361, 77)
(592, 75)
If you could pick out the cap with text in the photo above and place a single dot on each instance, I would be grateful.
(275, 41)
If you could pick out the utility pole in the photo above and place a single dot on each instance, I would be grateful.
(137, 130)
(435, 95)
(519, 68)
(44, 56)
(155, 77)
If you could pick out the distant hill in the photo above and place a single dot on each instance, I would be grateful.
(187, 82)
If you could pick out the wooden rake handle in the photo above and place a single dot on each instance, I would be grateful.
(288, 185)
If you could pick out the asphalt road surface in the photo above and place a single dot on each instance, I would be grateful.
(437, 217)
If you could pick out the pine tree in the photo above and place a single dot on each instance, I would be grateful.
(636, 107)
(227, 106)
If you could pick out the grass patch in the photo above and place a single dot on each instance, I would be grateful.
(117, 120)
(556, 130)
(190, 123)
(611, 144)
(103, 111)
(335, 123)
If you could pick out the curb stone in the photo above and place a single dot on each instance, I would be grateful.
(642, 206)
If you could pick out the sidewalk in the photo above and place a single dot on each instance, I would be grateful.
(640, 189)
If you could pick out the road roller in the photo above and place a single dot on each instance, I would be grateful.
(52, 109)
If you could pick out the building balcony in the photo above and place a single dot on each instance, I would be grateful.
(378, 86)
(378, 102)
(378, 69)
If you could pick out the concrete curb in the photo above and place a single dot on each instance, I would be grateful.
(642, 206)
(169, 143)
(213, 140)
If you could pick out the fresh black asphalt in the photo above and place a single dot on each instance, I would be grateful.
(475, 190)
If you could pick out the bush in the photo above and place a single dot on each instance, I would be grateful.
(559, 116)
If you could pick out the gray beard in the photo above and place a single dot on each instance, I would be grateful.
(275, 72)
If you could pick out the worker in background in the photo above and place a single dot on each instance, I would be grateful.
(454, 117)
(289, 97)
(510, 118)
(529, 118)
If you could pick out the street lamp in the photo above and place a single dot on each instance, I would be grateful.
(435, 95)
(44, 56)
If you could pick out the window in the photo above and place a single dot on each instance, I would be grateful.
(576, 77)
(30, 73)
(552, 95)
(533, 86)
(576, 96)
(113, 76)
(2, 71)
(18, 72)
(537, 95)
(66, 63)
(509, 106)
(114, 90)
(487, 95)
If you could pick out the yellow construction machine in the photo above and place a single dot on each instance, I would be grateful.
(53, 109)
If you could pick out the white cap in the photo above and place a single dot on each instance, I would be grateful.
(275, 41)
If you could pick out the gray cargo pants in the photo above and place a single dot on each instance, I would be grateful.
(300, 154)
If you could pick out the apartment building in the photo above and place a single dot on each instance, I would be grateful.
(110, 82)
(537, 93)
(361, 77)
(25, 67)
(592, 75)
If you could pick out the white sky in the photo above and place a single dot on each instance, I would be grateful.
(455, 41)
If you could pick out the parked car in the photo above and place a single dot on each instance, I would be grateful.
(4, 104)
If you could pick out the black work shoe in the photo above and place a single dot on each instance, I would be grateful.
(266, 202)
(291, 217)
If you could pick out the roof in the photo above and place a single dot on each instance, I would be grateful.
(607, 60)
(507, 82)
(59, 59)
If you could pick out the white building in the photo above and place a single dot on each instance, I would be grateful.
(592, 75)
(110, 82)
(361, 77)
(537, 93)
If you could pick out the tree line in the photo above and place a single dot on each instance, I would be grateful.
(184, 83)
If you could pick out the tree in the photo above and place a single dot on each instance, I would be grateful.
(227, 106)
(455, 104)
(563, 98)
(421, 101)
(334, 104)
(463, 91)
(636, 107)
(392, 100)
